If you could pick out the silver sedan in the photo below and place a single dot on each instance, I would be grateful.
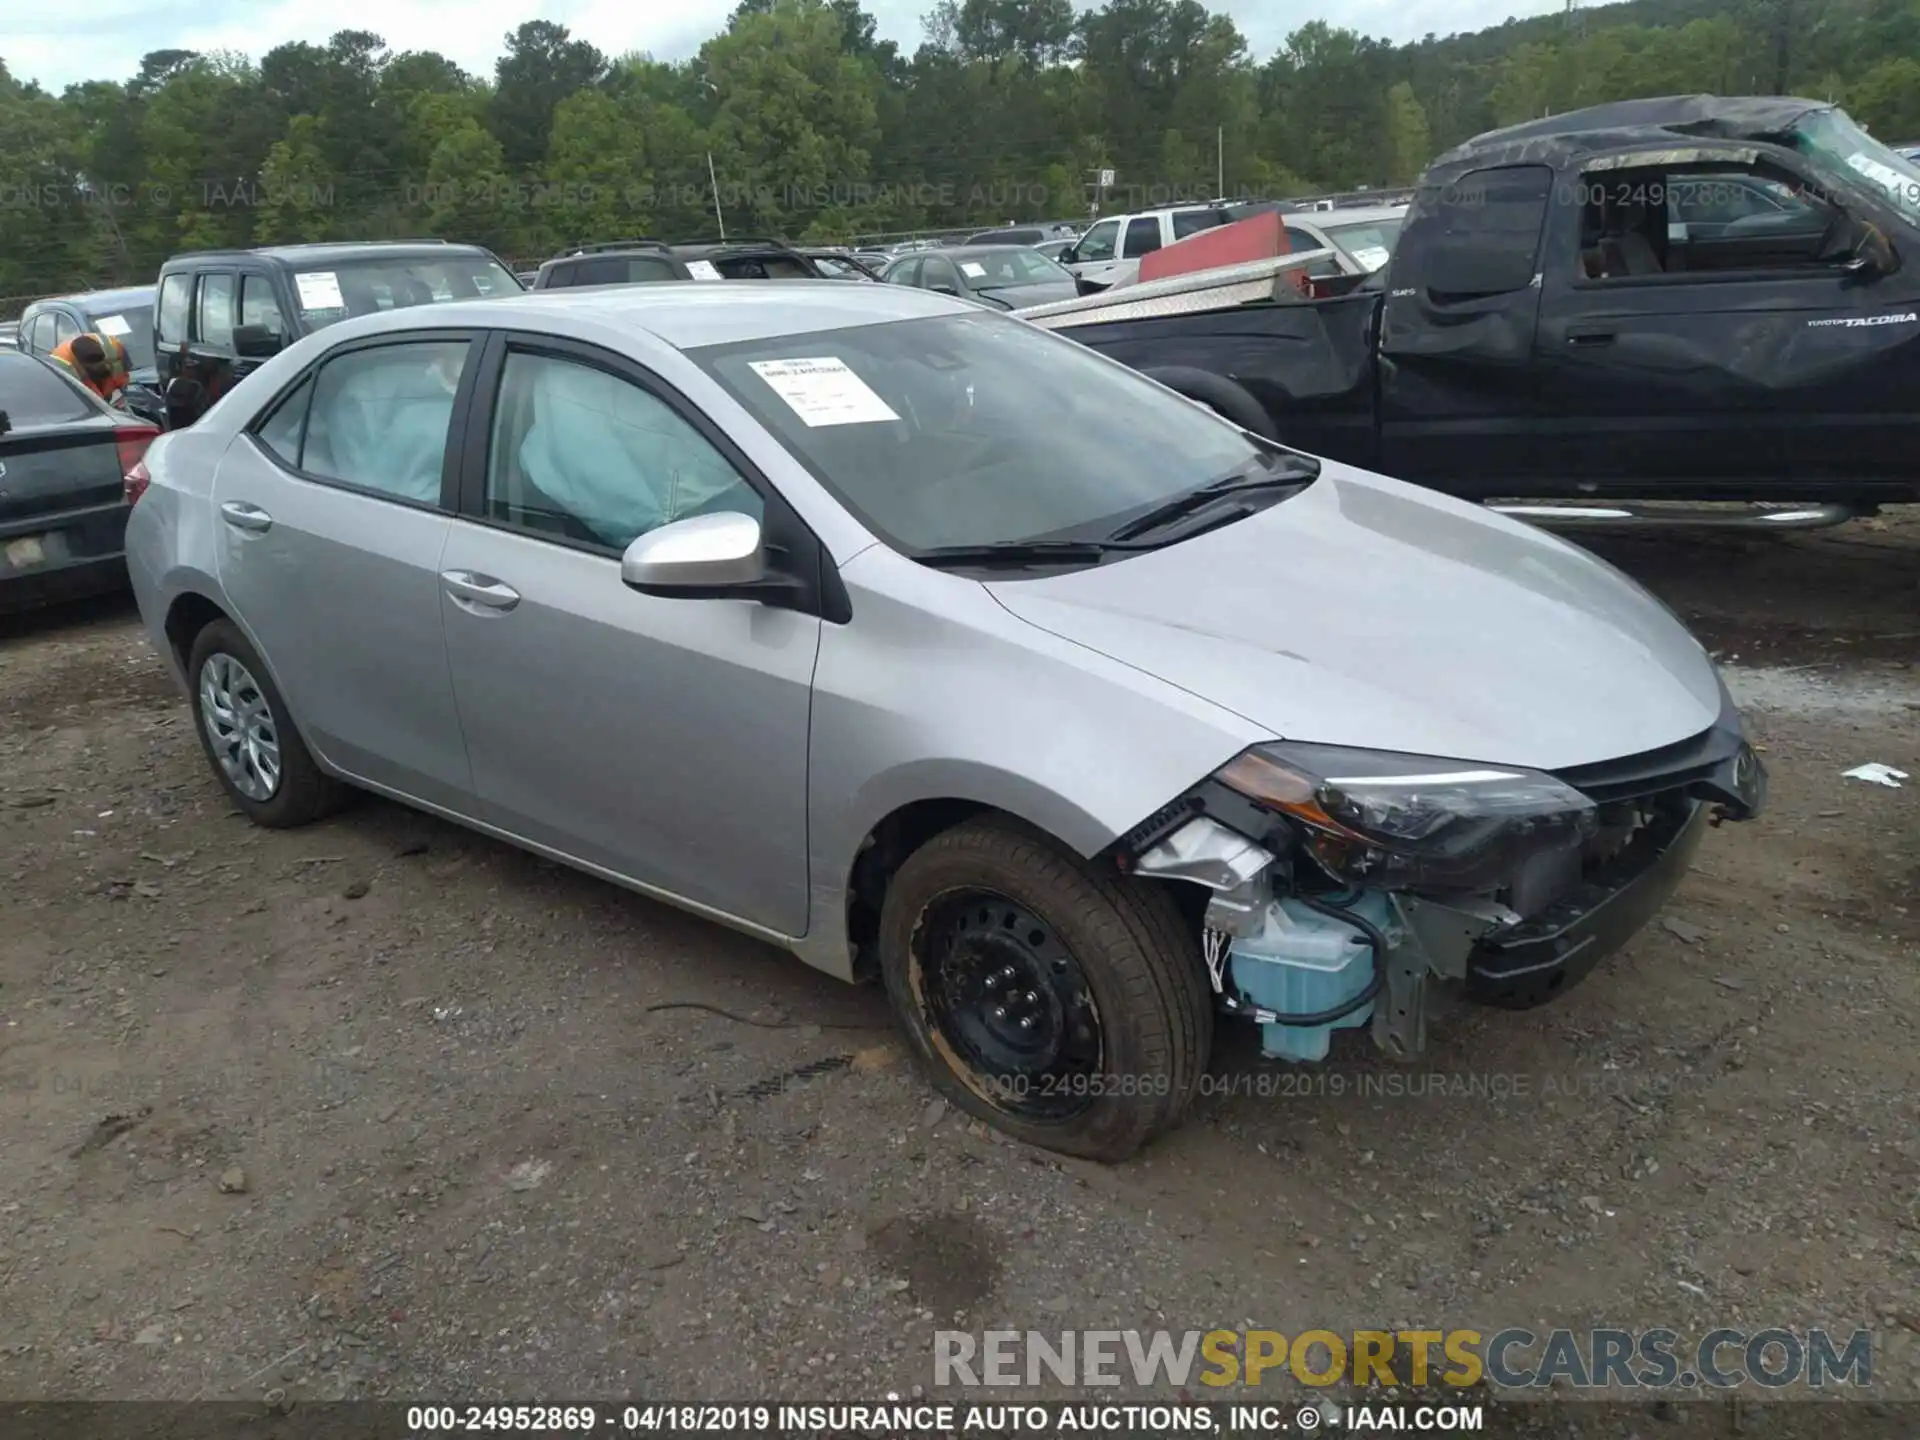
(934, 647)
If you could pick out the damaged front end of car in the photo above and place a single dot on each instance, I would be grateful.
(1348, 884)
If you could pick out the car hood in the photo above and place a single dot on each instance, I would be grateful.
(1368, 613)
(1042, 292)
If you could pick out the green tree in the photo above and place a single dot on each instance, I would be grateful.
(543, 65)
(1408, 139)
(797, 115)
(1887, 99)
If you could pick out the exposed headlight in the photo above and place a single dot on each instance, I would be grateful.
(1412, 822)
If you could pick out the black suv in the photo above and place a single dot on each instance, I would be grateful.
(218, 313)
(645, 261)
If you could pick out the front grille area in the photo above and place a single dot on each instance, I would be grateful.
(1670, 769)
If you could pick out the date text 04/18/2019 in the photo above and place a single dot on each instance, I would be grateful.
(812, 1422)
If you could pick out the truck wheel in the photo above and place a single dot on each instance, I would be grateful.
(1063, 1005)
(1226, 398)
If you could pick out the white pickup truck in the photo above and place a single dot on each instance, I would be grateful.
(1109, 253)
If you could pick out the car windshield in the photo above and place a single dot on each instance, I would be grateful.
(33, 394)
(998, 269)
(132, 325)
(331, 293)
(1370, 244)
(1843, 149)
(976, 429)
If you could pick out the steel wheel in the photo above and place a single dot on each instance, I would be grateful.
(1010, 1001)
(239, 723)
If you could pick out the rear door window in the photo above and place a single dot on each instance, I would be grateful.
(1192, 222)
(170, 311)
(213, 310)
(260, 306)
(380, 416)
(1143, 236)
(31, 394)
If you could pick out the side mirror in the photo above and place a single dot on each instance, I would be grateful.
(1069, 256)
(1872, 255)
(256, 342)
(701, 557)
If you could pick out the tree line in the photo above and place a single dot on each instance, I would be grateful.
(799, 121)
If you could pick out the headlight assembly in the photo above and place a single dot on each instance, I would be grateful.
(1412, 822)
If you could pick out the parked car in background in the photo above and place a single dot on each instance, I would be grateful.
(647, 261)
(612, 262)
(1109, 253)
(1362, 241)
(1007, 277)
(526, 277)
(1024, 234)
(698, 588)
(1054, 249)
(219, 313)
(746, 258)
(9, 335)
(836, 263)
(125, 314)
(65, 456)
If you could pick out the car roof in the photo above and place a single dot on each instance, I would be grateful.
(338, 252)
(700, 248)
(683, 316)
(1624, 124)
(107, 300)
(973, 252)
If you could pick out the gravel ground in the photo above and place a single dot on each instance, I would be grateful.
(383, 1108)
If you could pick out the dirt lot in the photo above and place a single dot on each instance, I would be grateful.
(380, 1107)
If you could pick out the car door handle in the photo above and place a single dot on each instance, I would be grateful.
(1582, 336)
(242, 516)
(471, 591)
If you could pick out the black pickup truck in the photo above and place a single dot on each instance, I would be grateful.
(1687, 298)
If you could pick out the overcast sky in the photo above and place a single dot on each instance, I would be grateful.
(57, 45)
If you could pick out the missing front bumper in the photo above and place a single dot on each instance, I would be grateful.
(1543, 957)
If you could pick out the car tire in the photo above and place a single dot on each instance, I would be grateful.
(300, 793)
(1226, 398)
(1119, 944)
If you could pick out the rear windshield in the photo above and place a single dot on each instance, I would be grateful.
(33, 394)
(329, 294)
(134, 327)
(758, 267)
(613, 270)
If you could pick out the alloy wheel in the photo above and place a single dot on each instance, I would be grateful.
(240, 725)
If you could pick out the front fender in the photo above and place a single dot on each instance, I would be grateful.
(936, 691)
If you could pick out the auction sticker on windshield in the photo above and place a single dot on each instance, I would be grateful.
(823, 391)
(702, 270)
(115, 325)
(320, 290)
(1371, 257)
(973, 269)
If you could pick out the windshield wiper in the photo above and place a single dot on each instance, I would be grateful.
(1015, 553)
(1289, 473)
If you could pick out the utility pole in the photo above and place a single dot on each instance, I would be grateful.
(714, 181)
(1220, 162)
